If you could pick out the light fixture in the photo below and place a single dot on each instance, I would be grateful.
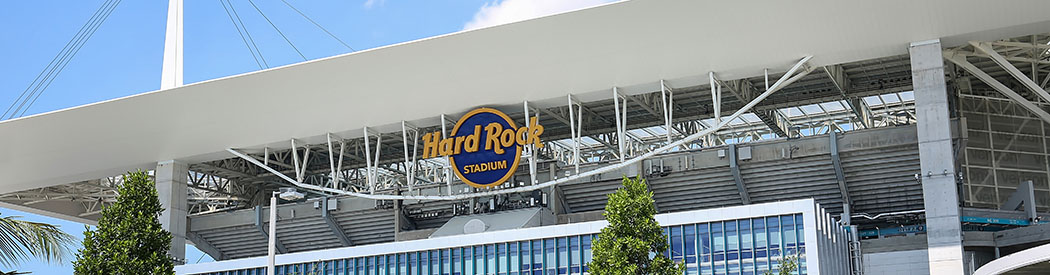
(289, 194)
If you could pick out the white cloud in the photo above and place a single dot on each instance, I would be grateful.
(370, 3)
(501, 12)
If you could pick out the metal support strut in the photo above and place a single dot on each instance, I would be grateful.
(794, 74)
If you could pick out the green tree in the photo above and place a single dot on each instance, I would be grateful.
(129, 238)
(633, 242)
(24, 240)
(788, 265)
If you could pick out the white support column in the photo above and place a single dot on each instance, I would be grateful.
(716, 97)
(621, 122)
(171, 177)
(937, 162)
(575, 130)
(531, 149)
(171, 70)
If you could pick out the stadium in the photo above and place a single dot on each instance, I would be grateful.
(880, 137)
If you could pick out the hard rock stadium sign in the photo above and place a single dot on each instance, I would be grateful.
(484, 147)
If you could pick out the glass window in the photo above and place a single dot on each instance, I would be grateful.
(677, 245)
(585, 245)
(381, 265)
(490, 259)
(457, 261)
(801, 235)
(424, 263)
(563, 255)
(549, 261)
(446, 261)
(574, 255)
(703, 234)
(479, 260)
(370, 265)
(787, 224)
(747, 242)
(537, 257)
(403, 261)
(515, 255)
(498, 256)
(773, 233)
(435, 262)
(689, 236)
(732, 241)
(667, 239)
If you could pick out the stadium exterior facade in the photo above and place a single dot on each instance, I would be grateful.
(891, 137)
(733, 240)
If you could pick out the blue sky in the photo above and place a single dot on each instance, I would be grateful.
(124, 56)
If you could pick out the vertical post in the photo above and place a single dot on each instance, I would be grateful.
(667, 100)
(171, 70)
(448, 164)
(574, 133)
(271, 248)
(575, 128)
(531, 148)
(936, 159)
(767, 79)
(410, 178)
(621, 121)
(171, 180)
(716, 97)
(368, 163)
(331, 162)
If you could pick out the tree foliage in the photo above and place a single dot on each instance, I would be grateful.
(129, 238)
(24, 240)
(788, 265)
(633, 242)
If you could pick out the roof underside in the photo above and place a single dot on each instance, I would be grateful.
(631, 45)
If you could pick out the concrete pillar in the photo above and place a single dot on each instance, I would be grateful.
(941, 198)
(171, 189)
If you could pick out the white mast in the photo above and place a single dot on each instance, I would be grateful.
(171, 72)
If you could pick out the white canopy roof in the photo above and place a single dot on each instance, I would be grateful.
(631, 45)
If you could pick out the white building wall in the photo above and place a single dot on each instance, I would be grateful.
(898, 262)
(808, 208)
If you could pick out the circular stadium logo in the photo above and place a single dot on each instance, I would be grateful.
(484, 148)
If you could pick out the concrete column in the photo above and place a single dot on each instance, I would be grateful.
(943, 230)
(171, 189)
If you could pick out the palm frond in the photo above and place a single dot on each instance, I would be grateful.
(23, 240)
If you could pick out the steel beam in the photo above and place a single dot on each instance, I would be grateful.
(735, 169)
(262, 229)
(1024, 196)
(333, 225)
(960, 60)
(840, 176)
(205, 246)
(770, 116)
(999, 59)
(841, 81)
(799, 70)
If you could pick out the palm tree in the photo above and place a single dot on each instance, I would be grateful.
(25, 240)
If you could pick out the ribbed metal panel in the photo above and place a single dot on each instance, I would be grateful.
(794, 178)
(236, 241)
(306, 234)
(367, 226)
(883, 179)
(589, 196)
(694, 189)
